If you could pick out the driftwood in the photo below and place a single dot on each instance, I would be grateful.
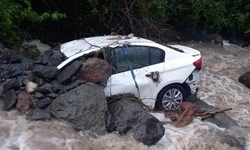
(207, 114)
(189, 112)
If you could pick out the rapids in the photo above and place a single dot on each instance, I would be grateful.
(219, 87)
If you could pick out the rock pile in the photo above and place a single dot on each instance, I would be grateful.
(73, 94)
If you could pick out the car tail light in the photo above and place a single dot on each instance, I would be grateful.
(198, 63)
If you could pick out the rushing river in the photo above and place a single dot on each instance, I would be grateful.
(219, 86)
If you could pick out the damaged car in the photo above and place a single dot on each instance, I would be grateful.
(159, 75)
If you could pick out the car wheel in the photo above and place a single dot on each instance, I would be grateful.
(170, 98)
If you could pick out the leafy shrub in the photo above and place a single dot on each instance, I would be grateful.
(15, 13)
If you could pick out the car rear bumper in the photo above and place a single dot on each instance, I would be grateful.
(194, 77)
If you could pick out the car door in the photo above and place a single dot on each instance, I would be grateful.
(142, 60)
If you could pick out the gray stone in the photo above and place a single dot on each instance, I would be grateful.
(9, 85)
(38, 95)
(129, 116)
(45, 59)
(56, 59)
(38, 114)
(45, 89)
(9, 100)
(84, 107)
(74, 85)
(52, 95)
(15, 70)
(43, 102)
(49, 73)
(65, 76)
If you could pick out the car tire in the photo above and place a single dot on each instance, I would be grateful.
(170, 98)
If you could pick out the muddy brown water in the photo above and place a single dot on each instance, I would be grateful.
(219, 86)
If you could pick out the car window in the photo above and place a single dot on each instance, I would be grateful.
(138, 56)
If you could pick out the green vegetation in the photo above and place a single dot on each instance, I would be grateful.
(17, 13)
(98, 17)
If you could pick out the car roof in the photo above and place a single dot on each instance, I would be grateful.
(95, 43)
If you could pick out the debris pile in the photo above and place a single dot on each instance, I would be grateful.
(187, 113)
(40, 90)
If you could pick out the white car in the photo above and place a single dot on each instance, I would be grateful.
(159, 75)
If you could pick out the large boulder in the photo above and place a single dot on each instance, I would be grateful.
(128, 116)
(69, 71)
(95, 70)
(84, 107)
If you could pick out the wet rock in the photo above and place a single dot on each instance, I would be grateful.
(56, 59)
(28, 64)
(9, 100)
(52, 95)
(4, 58)
(30, 76)
(23, 101)
(46, 72)
(215, 38)
(238, 42)
(31, 87)
(1, 70)
(245, 79)
(129, 116)
(73, 79)
(235, 136)
(233, 142)
(95, 70)
(39, 81)
(58, 89)
(74, 85)
(19, 82)
(45, 59)
(26, 81)
(45, 89)
(15, 70)
(38, 114)
(9, 85)
(68, 72)
(38, 95)
(84, 107)
(43, 102)
(14, 59)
